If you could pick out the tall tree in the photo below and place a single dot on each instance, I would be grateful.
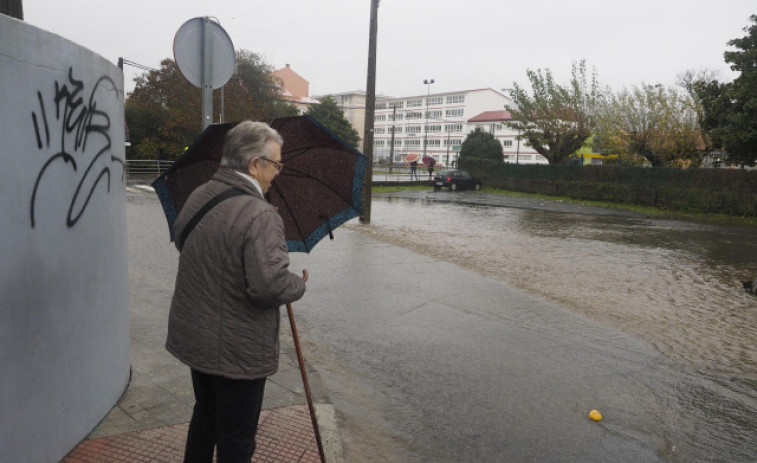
(730, 109)
(328, 113)
(163, 113)
(164, 110)
(481, 144)
(555, 119)
(693, 82)
(652, 121)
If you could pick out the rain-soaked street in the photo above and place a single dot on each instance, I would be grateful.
(471, 327)
(673, 285)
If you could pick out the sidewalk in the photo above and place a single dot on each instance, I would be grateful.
(136, 429)
(149, 422)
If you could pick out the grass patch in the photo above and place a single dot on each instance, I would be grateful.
(661, 213)
(652, 211)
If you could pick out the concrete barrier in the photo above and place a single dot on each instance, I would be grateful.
(64, 327)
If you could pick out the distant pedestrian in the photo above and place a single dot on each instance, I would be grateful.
(414, 170)
(233, 276)
(431, 164)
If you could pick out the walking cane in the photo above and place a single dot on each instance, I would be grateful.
(301, 361)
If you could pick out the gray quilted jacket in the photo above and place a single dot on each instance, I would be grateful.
(233, 276)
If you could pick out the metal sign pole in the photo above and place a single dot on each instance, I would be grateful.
(207, 74)
(206, 57)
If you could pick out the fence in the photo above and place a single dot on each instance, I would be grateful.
(726, 191)
(148, 169)
(145, 168)
(399, 173)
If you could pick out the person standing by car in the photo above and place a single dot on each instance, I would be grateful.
(232, 278)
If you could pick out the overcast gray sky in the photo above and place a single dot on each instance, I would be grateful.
(460, 44)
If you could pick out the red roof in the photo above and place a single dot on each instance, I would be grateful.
(492, 116)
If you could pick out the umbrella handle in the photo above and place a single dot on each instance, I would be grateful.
(305, 383)
(328, 225)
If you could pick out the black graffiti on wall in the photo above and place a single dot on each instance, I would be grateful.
(77, 134)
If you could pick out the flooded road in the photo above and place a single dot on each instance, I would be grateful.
(576, 307)
(675, 284)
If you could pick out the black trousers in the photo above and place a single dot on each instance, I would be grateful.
(225, 417)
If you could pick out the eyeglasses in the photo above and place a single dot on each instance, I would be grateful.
(279, 165)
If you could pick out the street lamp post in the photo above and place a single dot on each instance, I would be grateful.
(391, 147)
(447, 162)
(517, 150)
(428, 83)
(12, 8)
(517, 137)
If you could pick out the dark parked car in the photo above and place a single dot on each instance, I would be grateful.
(456, 179)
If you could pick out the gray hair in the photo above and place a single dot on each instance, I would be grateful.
(246, 141)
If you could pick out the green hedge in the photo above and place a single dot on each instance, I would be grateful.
(724, 191)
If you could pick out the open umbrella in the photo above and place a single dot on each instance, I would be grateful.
(412, 157)
(319, 189)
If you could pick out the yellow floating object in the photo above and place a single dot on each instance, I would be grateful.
(595, 415)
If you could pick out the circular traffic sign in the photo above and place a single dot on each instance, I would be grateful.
(187, 51)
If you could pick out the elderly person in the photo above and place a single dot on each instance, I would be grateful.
(233, 276)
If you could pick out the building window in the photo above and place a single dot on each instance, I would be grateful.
(412, 143)
(392, 117)
(454, 112)
(415, 115)
(455, 99)
(413, 129)
(379, 130)
(433, 143)
(395, 129)
(397, 142)
(378, 143)
(453, 127)
(396, 104)
(434, 128)
(434, 100)
(379, 117)
(453, 142)
(507, 143)
(380, 105)
(417, 102)
(435, 114)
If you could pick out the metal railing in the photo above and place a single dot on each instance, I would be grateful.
(146, 167)
(398, 174)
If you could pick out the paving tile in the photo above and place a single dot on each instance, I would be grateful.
(285, 435)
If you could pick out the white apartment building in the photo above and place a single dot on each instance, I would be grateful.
(353, 106)
(436, 125)
(515, 151)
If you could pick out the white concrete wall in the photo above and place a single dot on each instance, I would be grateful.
(478, 101)
(64, 329)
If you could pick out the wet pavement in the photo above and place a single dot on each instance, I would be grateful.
(149, 422)
(430, 352)
(672, 286)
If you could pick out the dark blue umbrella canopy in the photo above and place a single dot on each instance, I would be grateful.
(319, 189)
